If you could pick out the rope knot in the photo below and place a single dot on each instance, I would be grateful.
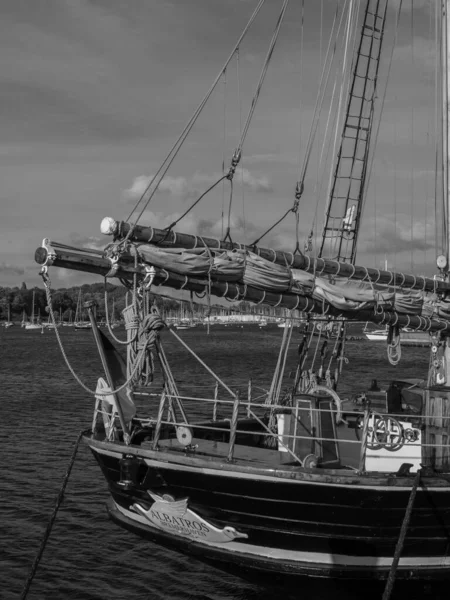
(298, 193)
(152, 322)
(308, 243)
(234, 163)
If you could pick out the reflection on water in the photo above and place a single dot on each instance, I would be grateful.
(42, 411)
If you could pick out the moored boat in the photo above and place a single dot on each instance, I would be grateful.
(292, 481)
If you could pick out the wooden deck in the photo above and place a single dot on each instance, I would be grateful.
(257, 456)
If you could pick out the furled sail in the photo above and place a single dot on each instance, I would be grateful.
(243, 274)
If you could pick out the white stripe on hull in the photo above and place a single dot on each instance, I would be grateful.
(307, 558)
(160, 464)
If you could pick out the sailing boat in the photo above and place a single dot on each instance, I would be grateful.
(8, 323)
(113, 321)
(79, 324)
(34, 321)
(296, 484)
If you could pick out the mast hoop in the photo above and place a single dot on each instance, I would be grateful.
(338, 268)
(378, 278)
(263, 298)
(166, 273)
(292, 260)
(319, 273)
(279, 301)
(225, 294)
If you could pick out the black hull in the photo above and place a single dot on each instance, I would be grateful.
(271, 570)
(331, 526)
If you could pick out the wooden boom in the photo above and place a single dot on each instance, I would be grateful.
(319, 266)
(83, 259)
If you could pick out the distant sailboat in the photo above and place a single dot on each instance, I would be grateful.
(33, 323)
(79, 323)
(9, 323)
(113, 321)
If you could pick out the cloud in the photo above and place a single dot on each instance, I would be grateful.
(391, 238)
(254, 183)
(8, 269)
(86, 241)
(184, 188)
(176, 186)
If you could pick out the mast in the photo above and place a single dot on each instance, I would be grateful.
(32, 307)
(445, 49)
(77, 318)
(445, 114)
(345, 204)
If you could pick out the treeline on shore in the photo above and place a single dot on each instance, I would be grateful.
(17, 301)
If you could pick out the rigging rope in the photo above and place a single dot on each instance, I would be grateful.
(314, 125)
(176, 147)
(275, 387)
(224, 144)
(108, 392)
(377, 130)
(394, 347)
(128, 325)
(263, 75)
(238, 152)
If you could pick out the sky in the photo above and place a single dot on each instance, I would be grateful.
(96, 92)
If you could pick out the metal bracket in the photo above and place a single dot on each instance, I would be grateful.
(44, 274)
(51, 253)
(114, 260)
(150, 273)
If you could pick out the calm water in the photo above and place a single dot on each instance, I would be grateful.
(43, 409)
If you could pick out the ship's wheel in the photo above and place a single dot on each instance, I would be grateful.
(384, 432)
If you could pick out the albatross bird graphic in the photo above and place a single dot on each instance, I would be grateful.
(174, 516)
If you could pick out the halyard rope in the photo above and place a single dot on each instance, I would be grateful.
(176, 147)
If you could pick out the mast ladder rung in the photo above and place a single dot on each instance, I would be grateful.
(363, 98)
(371, 14)
(370, 36)
(352, 158)
(345, 198)
(350, 177)
(358, 127)
(349, 116)
(370, 28)
(337, 229)
(366, 77)
(356, 137)
(369, 56)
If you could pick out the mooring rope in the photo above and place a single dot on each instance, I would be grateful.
(401, 538)
(48, 529)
